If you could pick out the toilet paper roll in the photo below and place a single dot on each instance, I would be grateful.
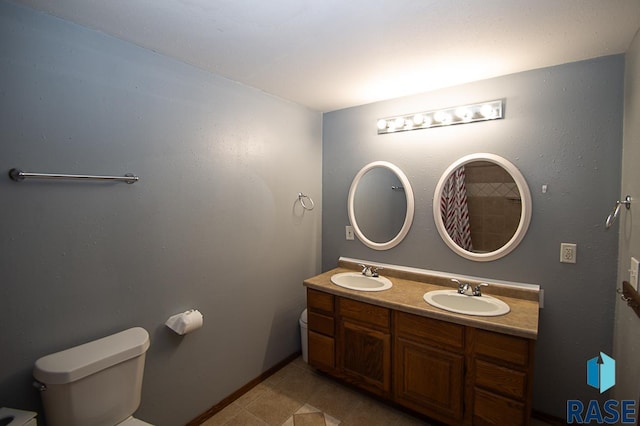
(185, 322)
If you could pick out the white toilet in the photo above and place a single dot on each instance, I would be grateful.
(95, 384)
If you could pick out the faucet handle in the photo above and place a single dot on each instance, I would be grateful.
(462, 288)
(477, 291)
(367, 270)
(374, 270)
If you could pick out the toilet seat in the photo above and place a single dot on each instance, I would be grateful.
(131, 421)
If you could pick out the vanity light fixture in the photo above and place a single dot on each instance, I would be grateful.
(483, 111)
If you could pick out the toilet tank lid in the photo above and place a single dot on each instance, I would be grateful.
(80, 361)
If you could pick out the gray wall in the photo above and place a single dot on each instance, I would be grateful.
(563, 128)
(627, 324)
(213, 223)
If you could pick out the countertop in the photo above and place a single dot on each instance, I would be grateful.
(407, 293)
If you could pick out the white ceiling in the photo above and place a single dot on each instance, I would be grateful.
(333, 54)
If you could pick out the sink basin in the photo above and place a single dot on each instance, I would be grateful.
(357, 281)
(452, 301)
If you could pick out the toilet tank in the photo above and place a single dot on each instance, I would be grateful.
(95, 384)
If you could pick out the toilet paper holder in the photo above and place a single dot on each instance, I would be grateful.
(185, 322)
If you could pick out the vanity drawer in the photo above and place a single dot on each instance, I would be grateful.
(511, 349)
(364, 312)
(321, 323)
(492, 409)
(319, 301)
(438, 333)
(501, 380)
(322, 351)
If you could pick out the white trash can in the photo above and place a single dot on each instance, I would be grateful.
(303, 335)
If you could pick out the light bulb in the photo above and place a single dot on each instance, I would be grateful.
(399, 122)
(487, 111)
(442, 117)
(418, 119)
(439, 116)
(382, 124)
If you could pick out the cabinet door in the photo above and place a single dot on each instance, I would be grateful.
(365, 357)
(429, 380)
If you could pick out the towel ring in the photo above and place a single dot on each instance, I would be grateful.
(301, 198)
(616, 211)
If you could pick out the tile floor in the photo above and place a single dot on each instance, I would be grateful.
(297, 395)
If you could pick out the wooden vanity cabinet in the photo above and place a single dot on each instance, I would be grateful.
(321, 330)
(429, 366)
(364, 345)
(350, 340)
(456, 374)
(500, 372)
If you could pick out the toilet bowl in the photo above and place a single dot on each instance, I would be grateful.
(98, 383)
(13, 417)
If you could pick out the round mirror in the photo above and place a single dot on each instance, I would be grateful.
(482, 207)
(380, 205)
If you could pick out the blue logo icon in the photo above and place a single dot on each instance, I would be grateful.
(601, 372)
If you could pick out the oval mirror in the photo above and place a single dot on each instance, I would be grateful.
(482, 207)
(380, 205)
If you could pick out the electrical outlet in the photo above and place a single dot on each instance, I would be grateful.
(348, 230)
(568, 252)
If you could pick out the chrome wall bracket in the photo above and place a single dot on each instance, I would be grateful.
(616, 211)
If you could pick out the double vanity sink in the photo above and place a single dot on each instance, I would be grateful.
(411, 338)
(448, 300)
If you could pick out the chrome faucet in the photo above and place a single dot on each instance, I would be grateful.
(463, 288)
(370, 271)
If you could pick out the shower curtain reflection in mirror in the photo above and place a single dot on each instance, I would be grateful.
(455, 210)
(482, 207)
